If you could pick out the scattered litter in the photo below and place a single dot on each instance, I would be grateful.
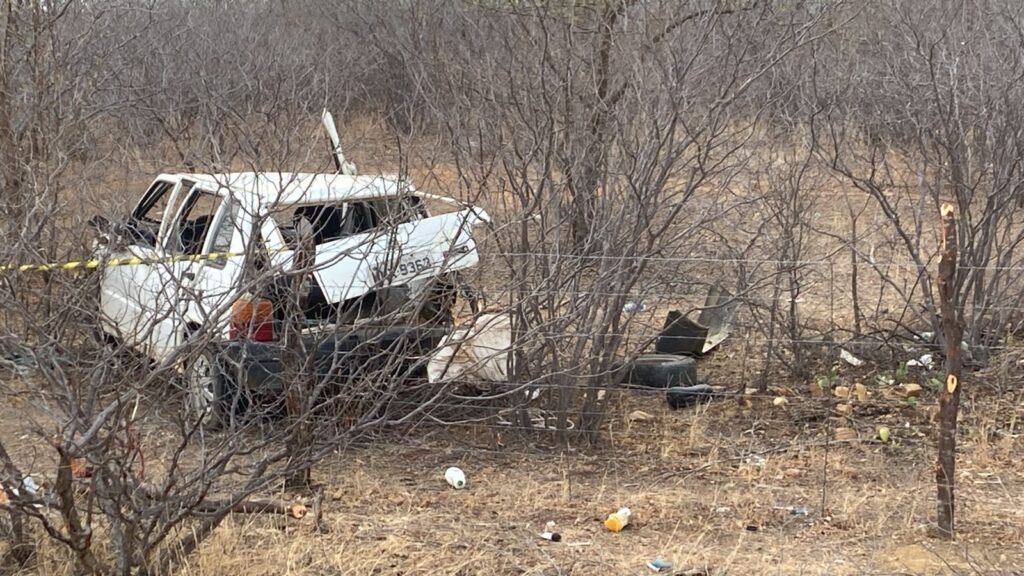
(16, 357)
(640, 416)
(780, 401)
(925, 361)
(798, 510)
(861, 392)
(850, 358)
(685, 396)
(723, 510)
(480, 351)
(600, 395)
(539, 419)
(80, 469)
(718, 314)
(910, 390)
(634, 307)
(885, 380)
(755, 460)
(681, 335)
(752, 527)
(532, 395)
(549, 532)
(618, 520)
(30, 486)
(659, 564)
(845, 434)
(455, 477)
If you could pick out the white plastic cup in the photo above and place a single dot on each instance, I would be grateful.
(455, 477)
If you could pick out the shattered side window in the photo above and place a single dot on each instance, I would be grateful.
(225, 231)
(382, 214)
(326, 220)
(341, 220)
(194, 223)
(155, 202)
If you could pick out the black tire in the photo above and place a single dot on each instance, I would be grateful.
(212, 396)
(662, 371)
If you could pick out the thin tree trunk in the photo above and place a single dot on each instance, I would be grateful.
(10, 168)
(762, 382)
(794, 322)
(949, 398)
(300, 368)
(853, 277)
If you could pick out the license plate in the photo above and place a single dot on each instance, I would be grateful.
(406, 267)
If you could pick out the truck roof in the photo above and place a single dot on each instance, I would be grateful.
(267, 189)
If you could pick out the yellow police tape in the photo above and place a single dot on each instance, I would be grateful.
(111, 262)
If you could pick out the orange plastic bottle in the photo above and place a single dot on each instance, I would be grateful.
(618, 520)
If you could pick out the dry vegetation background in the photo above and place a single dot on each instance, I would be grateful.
(794, 152)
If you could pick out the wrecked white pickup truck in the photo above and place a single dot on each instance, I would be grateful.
(189, 251)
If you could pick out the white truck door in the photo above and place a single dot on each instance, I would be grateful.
(132, 295)
(188, 280)
(165, 282)
(212, 282)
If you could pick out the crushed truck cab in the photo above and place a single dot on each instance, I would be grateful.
(205, 249)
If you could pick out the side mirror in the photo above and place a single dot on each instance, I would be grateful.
(110, 234)
(104, 229)
(99, 222)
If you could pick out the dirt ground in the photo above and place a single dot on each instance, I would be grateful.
(704, 485)
(708, 486)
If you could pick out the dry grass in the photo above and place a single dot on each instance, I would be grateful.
(696, 501)
(703, 483)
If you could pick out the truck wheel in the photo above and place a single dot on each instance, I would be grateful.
(662, 371)
(212, 395)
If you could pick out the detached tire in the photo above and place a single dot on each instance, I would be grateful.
(662, 371)
(212, 396)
